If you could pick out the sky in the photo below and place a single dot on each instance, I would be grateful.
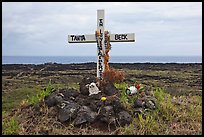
(161, 28)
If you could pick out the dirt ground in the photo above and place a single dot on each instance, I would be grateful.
(175, 78)
(22, 80)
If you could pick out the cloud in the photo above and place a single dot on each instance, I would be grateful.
(41, 28)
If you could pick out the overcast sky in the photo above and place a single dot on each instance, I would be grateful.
(161, 29)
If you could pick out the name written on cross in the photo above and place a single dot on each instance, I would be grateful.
(78, 37)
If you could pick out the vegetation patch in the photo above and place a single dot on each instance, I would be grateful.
(177, 88)
(10, 126)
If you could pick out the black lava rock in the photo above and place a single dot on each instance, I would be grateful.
(85, 115)
(82, 100)
(150, 104)
(117, 106)
(95, 105)
(124, 118)
(139, 103)
(68, 110)
(86, 80)
(107, 114)
(109, 89)
(80, 108)
(69, 94)
(53, 99)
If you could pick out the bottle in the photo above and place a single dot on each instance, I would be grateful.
(131, 90)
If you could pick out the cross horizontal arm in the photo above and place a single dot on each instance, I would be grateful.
(91, 38)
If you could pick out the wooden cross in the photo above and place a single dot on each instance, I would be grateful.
(100, 39)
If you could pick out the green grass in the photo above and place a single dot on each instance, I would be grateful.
(168, 118)
(123, 96)
(34, 100)
(73, 85)
(184, 117)
(10, 126)
(13, 98)
(183, 81)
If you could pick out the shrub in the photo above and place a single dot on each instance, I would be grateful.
(112, 76)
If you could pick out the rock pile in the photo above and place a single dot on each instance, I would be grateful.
(80, 107)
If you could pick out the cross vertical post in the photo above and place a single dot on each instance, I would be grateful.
(100, 43)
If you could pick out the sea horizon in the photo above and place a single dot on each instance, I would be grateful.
(93, 59)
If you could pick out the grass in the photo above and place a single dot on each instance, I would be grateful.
(24, 96)
(175, 114)
(184, 81)
(13, 98)
(34, 100)
(10, 126)
(15, 94)
(73, 85)
(123, 96)
(169, 117)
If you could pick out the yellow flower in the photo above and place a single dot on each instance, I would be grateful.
(103, 98)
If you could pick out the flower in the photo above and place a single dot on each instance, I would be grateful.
(137, 86)
(142, 93)
(103, 98)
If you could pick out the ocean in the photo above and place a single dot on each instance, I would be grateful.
(86, 59)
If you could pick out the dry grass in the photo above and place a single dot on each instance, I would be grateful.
(179, 109)
(174, 115)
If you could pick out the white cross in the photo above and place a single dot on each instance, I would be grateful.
(100, 40)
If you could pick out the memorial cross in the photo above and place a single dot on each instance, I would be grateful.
(101, 37)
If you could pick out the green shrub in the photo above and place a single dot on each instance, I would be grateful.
(34, 100)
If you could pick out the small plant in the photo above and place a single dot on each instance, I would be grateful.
(10, 126)
(148, 124)
(167, 109)
(126, 100)
(46, 91)
(34, 100)
(133, 98)
(121, 86)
